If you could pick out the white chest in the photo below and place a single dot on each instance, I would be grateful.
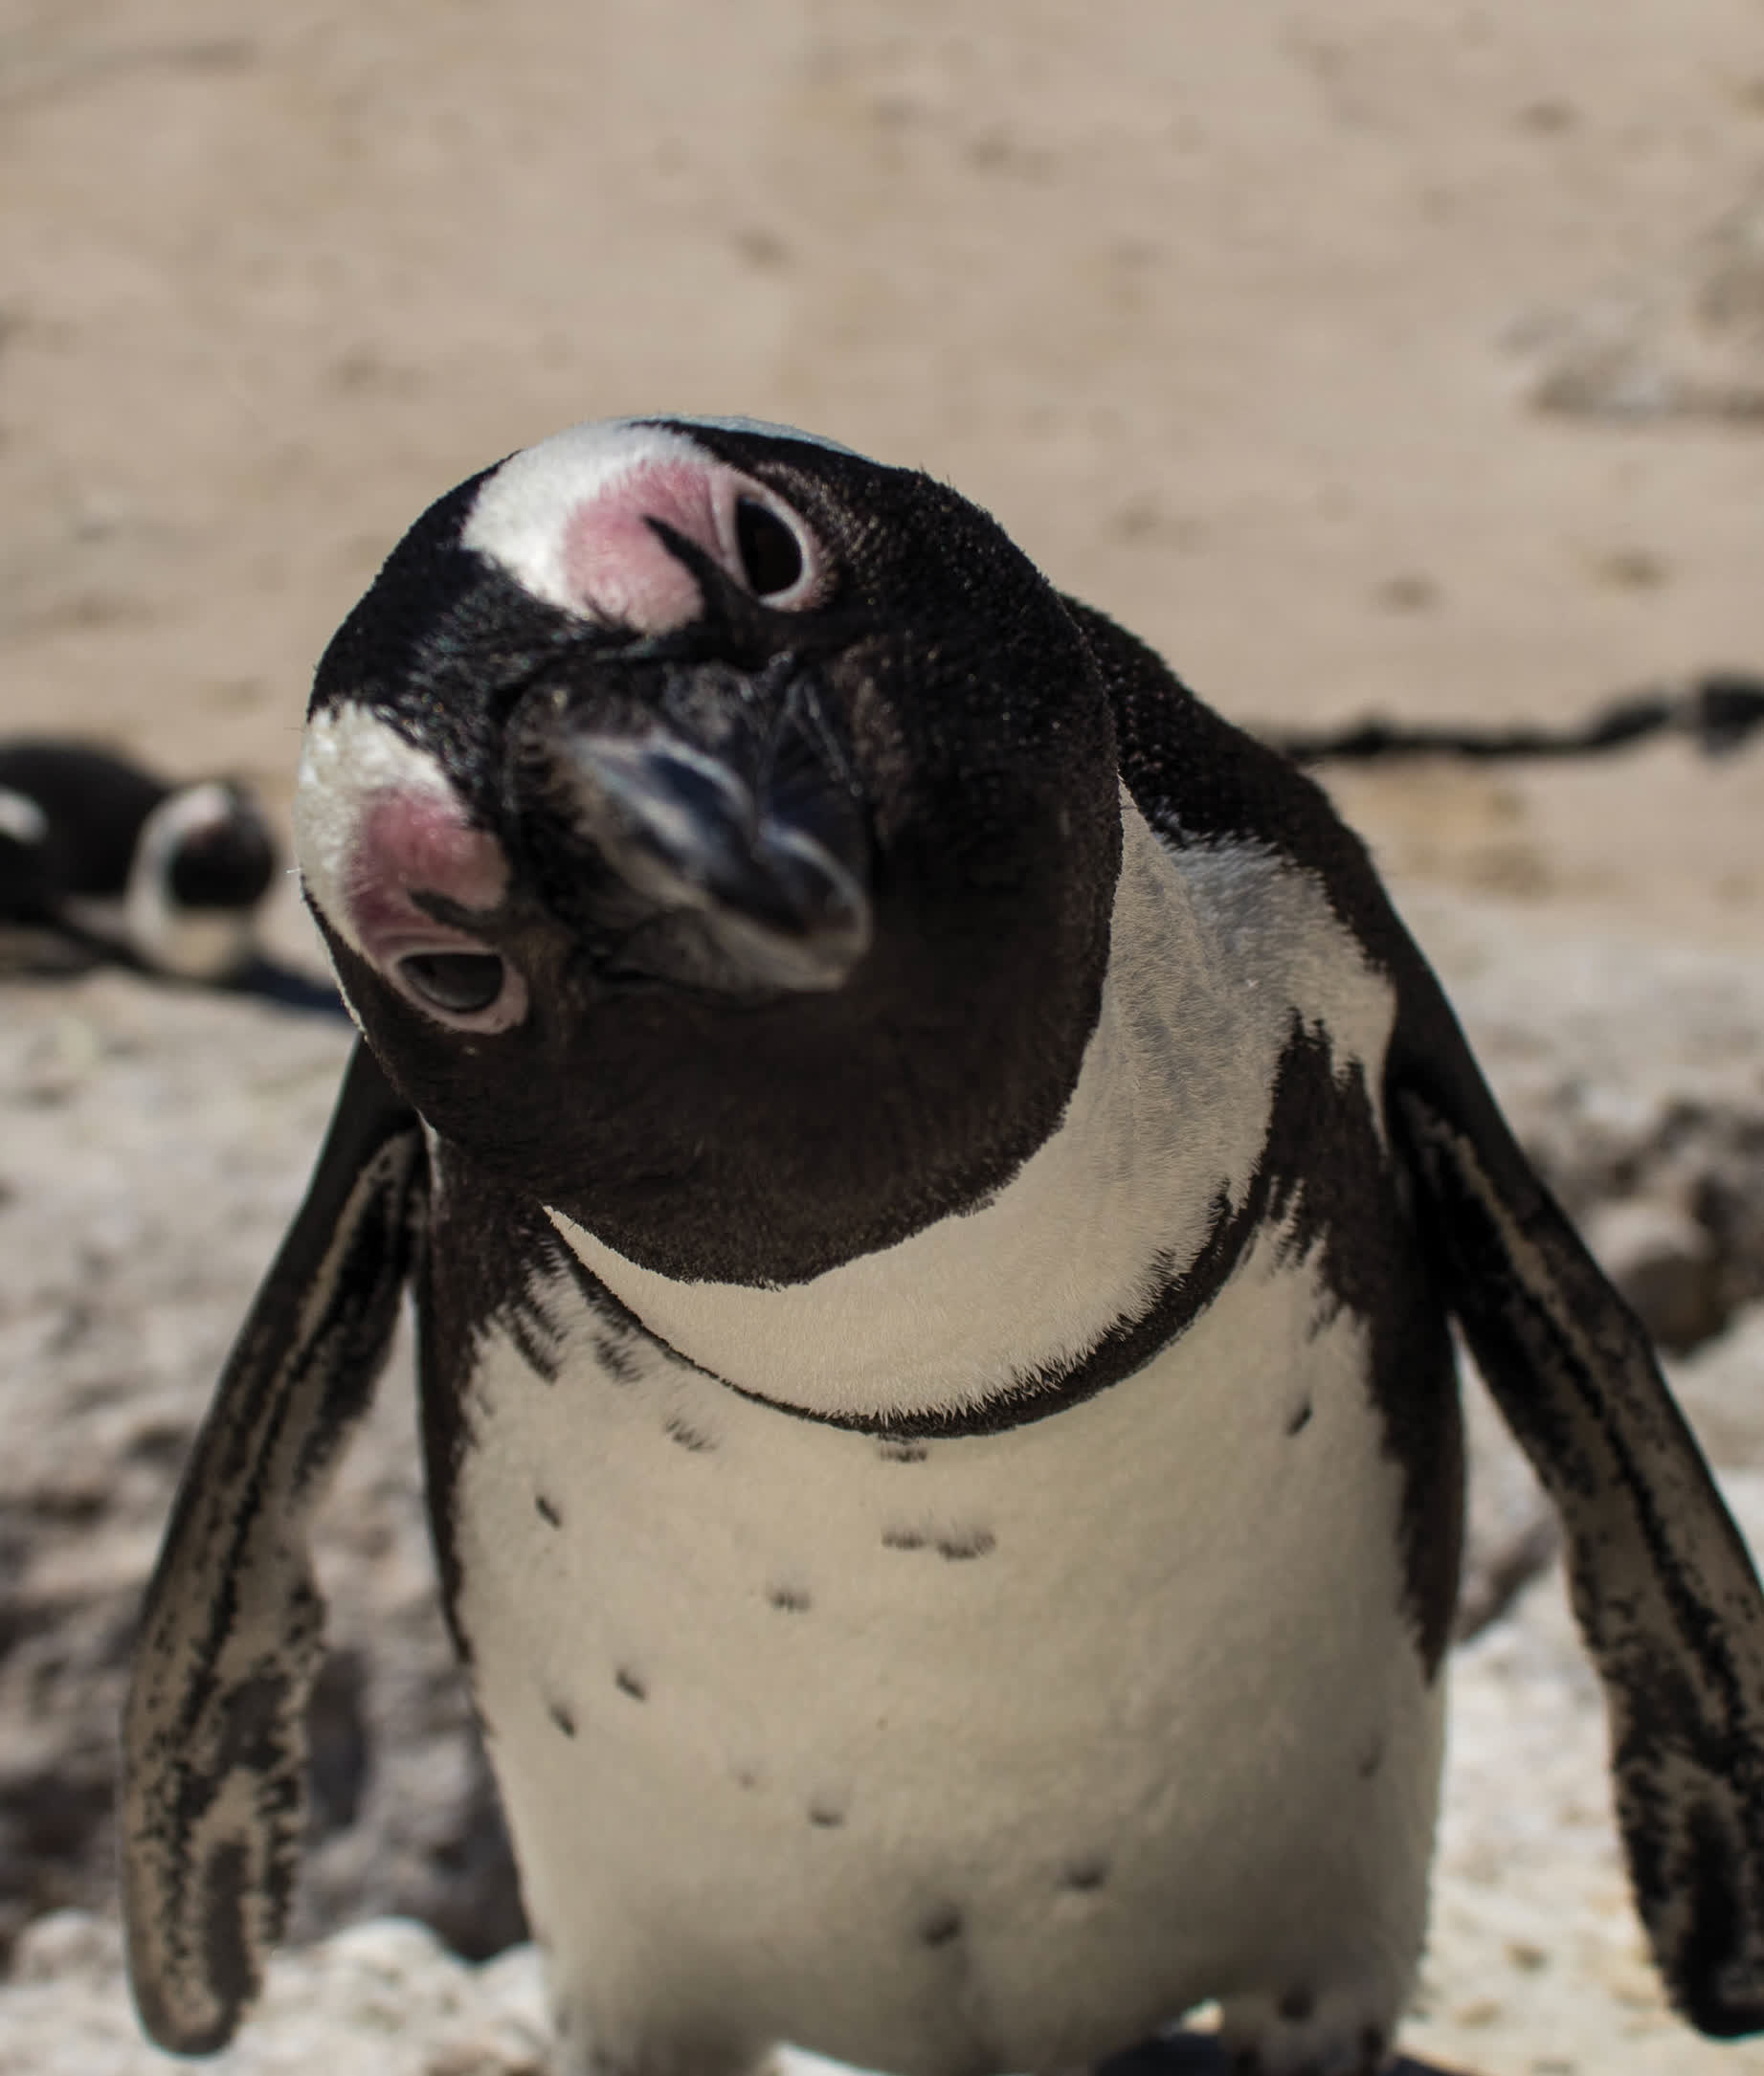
(996, 1749)
(798, 1722)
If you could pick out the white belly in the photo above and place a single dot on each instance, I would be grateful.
(987, 1751)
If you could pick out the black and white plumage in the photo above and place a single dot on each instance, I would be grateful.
(93, 845)
(935, 1181)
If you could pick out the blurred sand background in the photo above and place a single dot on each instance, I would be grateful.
(1237, 315)
(1364, 358)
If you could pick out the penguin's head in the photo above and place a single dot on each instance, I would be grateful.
(715, 834)
(203, 863)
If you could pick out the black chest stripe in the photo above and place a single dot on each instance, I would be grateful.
(1323, 1177)
(1133, 1340)
(1125, 1346)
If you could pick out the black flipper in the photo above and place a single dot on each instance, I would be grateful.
(214, 1734)
(1662, 1588)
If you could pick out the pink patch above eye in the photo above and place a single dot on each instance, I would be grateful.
(616, 564)
(418, 843)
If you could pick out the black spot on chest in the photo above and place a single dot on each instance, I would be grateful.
(957, 1545)
(693, 1439)
(903, 1452)
(622, 1362)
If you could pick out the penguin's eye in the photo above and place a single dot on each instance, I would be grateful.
(456, 983)
(771, 557)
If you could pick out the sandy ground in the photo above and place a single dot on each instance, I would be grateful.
(1235, 315)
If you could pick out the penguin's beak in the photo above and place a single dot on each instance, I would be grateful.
(737, 868)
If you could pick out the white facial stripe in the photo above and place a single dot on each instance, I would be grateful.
(350, 755)
(520, 519)
(765, 428)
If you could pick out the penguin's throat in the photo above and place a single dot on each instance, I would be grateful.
(1023, 1280)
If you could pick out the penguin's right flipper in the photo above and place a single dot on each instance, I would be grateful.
(1664, 1590)
(213, 1732)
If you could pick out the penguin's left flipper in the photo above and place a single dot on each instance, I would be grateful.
(213, 1731)
(1663, 1587)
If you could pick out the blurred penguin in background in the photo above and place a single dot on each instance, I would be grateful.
(114, 859)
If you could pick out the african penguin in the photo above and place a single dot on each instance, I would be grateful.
(94, 846)
(935, 1185)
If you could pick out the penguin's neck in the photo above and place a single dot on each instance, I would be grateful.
(1122, 1195)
